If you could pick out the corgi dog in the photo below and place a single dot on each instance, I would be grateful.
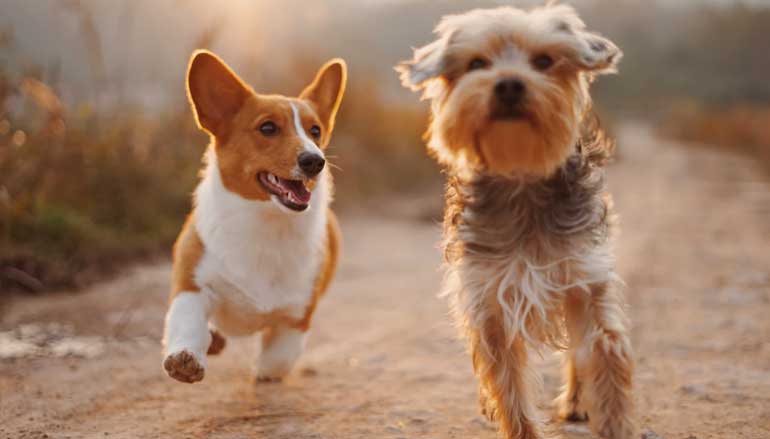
(261, 244)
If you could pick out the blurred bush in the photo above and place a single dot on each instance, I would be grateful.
(378, 147)
(85, 190)
(743, 129)
(697, 70)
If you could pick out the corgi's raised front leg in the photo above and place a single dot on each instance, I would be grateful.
(187, 337)
(281, 348)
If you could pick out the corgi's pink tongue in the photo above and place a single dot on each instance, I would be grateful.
(297, 189)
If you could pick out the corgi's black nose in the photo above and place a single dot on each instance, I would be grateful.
(311, 163)
(510, 91)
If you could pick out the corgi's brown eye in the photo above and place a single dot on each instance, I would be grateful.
(315, 131)
(268, 129)
(542, 62)
(477, 63)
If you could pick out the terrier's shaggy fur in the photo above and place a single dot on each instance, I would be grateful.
(528, 220)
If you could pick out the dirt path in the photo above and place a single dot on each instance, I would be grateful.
(383, 361)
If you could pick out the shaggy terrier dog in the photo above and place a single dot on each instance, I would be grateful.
(528, 220)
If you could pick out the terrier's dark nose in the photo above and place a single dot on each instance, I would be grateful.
(509, 91)
(311, 163)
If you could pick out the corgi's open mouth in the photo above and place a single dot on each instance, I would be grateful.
(290, 193)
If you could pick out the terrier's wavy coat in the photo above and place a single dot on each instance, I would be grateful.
(528, 220)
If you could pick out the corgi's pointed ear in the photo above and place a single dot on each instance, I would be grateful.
(216, 93)
(326, 90)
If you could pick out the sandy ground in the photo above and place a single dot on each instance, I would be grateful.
(383, 360)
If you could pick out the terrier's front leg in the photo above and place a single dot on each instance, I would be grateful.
(604, 360)
(281, 348)
(187, 337)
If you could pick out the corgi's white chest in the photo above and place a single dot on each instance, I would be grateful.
(256, 255)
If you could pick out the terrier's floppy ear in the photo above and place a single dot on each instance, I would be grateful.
(216, 93)
(326, 91)
(427, 64)
(586, 50)
(595, 54)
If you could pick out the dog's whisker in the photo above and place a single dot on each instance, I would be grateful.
(334, 166)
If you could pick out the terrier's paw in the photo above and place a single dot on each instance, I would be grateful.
(570, 411)
(488, 406)
(574, 416)
(184, 367)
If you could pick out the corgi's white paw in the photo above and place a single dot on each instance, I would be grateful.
(184, 366)
(274, 368)
(280, 352)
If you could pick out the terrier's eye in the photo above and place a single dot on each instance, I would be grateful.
(268, 129)
(315, 131)
(542, 62)
(477, 63)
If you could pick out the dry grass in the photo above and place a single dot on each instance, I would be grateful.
(740, 128)
(84, 190)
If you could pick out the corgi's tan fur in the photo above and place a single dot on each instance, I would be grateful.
(261, 245)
